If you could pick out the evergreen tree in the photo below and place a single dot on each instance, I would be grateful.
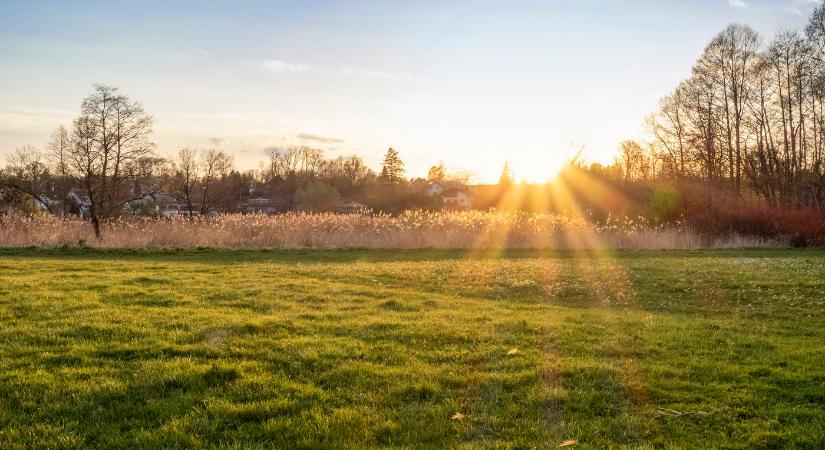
(506, 178)
(392, 169)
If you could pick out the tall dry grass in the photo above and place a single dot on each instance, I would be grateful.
(410, 230)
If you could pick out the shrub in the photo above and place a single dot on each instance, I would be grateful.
(317, 197)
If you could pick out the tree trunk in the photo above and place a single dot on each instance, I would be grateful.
(96, 225)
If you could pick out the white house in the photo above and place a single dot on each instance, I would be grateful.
(264, 206)
(434, 188)
(455, 199)
(353, 208)
(158, 204)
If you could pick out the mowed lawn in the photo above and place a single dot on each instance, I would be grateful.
(411, 349)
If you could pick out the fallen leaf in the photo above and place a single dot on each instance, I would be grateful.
(512, 352)
(567, 443)
(457, 416)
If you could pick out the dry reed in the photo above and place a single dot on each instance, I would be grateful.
(410, 230)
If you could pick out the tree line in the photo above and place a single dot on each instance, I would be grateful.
(749, 118)
(107, 154)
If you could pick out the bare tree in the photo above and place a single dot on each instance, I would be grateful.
(186, 177)
(110, 138)
(669, 129)
(752, 117)
(58, 154)
(728, 60)
(214, 166)
(355, 172)
(630, 159)
(26, 173)
(296, 165)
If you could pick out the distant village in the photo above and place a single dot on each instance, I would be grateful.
(204, 183)
(445, 195)
(105, 166)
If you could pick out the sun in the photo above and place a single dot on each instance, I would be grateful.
(540, 170)
(530, 168)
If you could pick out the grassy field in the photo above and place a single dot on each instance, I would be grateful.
(411, 349)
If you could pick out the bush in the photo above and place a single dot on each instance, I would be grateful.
(722, 213)
(665, 202)
(317, 197)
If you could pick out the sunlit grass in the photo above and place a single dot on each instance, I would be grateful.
(380, 349)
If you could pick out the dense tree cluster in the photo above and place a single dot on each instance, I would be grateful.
(749, 117)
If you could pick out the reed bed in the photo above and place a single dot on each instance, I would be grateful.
(410, 230)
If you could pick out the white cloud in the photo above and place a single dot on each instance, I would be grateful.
(15, 119)
(319, 139)
(278, 66)
(738, 3)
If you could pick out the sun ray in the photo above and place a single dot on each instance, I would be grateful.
(495, 232)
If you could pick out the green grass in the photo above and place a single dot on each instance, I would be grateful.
(380, 349)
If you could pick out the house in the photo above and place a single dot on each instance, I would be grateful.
(353, 208)
(46, 203)
(264, 206)
(455, 198)
(158, 204)
(434, 188)
(80, 202)
(167, 205)
(453, 194)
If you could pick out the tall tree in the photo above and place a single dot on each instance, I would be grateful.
(728, 62)
(215, 165)
(345, 174)
(506, 178)
(186, 178)
(58, 153)
(296, 165)
(437, 173)
(669, 129)
(631, 160)
(110, 137)
(752, 117)
(392, 168)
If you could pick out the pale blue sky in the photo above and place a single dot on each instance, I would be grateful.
(471, 83)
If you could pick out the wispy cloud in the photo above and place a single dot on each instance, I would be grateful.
(278, 66)
(738, 3)
(23, 118)
(321, 139)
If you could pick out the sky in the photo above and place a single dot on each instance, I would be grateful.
(469, 83)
